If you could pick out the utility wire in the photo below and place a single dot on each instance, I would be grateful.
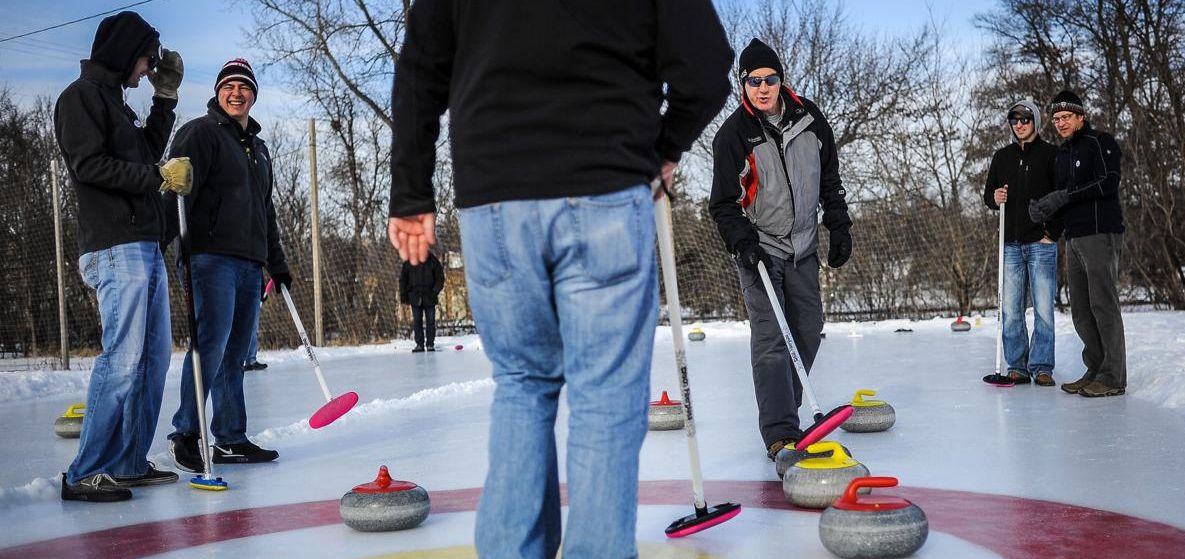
(75, 21)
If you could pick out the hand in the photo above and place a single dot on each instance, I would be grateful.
(413, 236)
(178, 176)
(1041, 210)
(166, 78)
(662, 183)
(1001, 195)
(841, 247)
(284, 279)
(749, 253)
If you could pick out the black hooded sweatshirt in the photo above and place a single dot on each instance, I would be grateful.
(110, 155)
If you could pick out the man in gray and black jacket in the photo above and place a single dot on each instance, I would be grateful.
(775, 166)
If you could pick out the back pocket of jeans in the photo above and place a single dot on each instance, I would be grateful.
(88, 268)
(483, 241)
(610, 234)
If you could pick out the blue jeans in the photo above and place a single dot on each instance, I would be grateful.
(563, 291)
(128, 378)
(226, 300)
(253, 345)
(1031, 267)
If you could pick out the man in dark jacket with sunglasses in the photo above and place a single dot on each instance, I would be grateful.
(112, 157)
(1020, 172)
(775, 165)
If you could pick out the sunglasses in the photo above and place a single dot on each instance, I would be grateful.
(1014, 120)
(771, 80)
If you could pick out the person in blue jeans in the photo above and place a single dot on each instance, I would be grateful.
(556, 130)
(112, 162)
(1021, 172)
(233, 235)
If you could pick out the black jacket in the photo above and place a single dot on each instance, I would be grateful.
(1029, 174)
(549, 99)
(419, 285)
(757, 165)
(110, 158)
(1088, 170)
(230, 207)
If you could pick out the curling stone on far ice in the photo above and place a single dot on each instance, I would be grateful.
(817, 482)
(696, 335)
(960, 325)
(384, 505)
(665, 414)
(872, 526)
(790, 456)
(869, 416)
(69, 424)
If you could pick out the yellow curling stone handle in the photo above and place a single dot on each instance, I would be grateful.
(838, 459)
(858, 400)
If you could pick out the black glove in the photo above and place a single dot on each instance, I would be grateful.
(284, 279)
(1041, 210)
(841, 247)
(749, 253)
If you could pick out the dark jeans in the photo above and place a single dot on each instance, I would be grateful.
(779, 392)
(1094, 304)
(420, 315)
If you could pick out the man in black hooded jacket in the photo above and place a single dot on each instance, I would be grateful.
(112, 160)
(419, 286)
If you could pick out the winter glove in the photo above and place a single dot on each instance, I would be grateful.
(1041, 210)
(284, 279)
(167, 76)
(178, 176)
(841, 247)
(749, 253)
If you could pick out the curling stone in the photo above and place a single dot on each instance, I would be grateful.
(790, 456)
(69, 424)
(873, 526)
(960, 325)
(817, 482)
(869, 416)
(696, 335)
(665, 414)
(384, 505)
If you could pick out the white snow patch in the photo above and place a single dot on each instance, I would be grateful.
(28, 385)
(39, 489)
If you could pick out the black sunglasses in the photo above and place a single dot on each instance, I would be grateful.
(771, 80)
(1019, 119)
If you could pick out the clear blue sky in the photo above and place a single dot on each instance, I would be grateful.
(209, 32)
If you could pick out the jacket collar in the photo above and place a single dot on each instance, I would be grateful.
(101, 74)
(215, 111)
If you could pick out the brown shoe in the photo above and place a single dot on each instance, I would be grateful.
(1074, 387)
(1097, 389)
(1044, 379)
(777, 447)
(1018, 377)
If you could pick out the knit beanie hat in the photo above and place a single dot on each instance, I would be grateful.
(1067, 101)
(237, 69)
(759, 55)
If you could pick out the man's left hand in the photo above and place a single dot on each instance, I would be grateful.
(1041, 210)
(841, 247)
(413, 236)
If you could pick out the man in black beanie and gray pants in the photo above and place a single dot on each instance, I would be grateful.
(1087, 197)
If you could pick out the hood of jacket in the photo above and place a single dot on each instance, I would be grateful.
(1030, 106)
(120, 40)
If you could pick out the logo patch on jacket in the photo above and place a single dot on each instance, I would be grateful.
(1078, 163)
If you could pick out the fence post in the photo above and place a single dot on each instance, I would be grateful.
(63, 329)
(318, 329)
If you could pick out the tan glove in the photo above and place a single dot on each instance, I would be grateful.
(167, 76)
(178, 176)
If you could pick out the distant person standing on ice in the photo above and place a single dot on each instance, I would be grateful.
(556, 130)
(1087, 198)
(233, 233)
(1019, 173)
(112, 158)
(419, 287)
(775, 164)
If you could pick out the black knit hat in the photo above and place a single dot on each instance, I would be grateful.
(237, 69)
(759, 55)
(1067, 101)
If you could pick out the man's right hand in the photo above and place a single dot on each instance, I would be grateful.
(1001, 195)
(749, 253)
(412, 236)
(178, 176)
